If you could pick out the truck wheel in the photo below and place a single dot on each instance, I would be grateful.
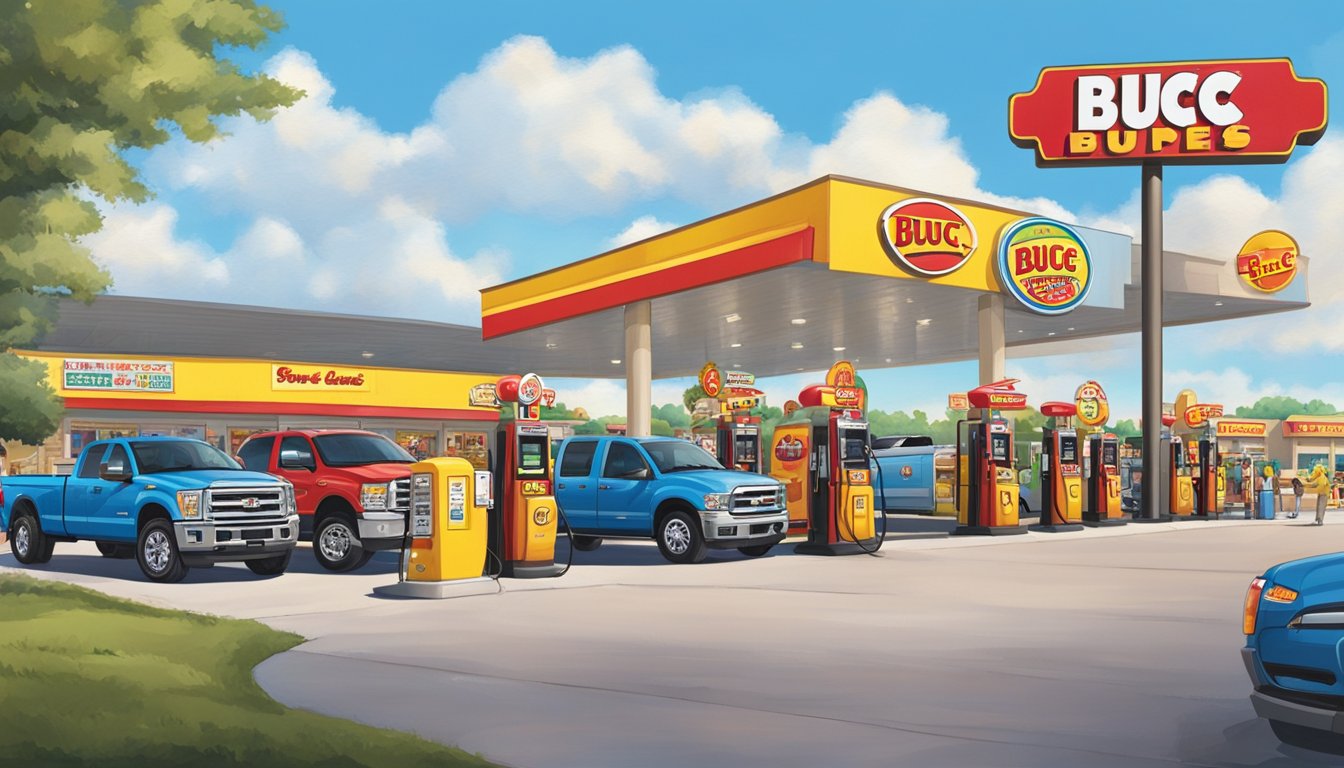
(1308, 738)
(156, 551)
(116, 551)
(680, 540)
(26, 540)
(756, 550)
(336, 544)
(587, 543)
(270, 566)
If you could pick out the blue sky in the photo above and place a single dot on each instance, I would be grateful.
(437, 136)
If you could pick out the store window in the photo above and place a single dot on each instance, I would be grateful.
(189, 432)
(1308, 458)
(421, 445)
(472, 446)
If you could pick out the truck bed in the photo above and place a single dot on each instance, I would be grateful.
(46, 493)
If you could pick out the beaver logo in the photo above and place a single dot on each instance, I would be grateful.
(926, 236)
(541, 515)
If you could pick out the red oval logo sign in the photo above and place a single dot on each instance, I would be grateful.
(927, 236)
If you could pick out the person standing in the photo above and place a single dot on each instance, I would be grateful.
(1298, 490)
(1320, 485)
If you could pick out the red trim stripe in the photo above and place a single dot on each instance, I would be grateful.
(779, 252)
(279, 409)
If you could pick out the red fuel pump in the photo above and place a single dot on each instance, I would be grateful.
(523, 524)
(1061, 471)
(738, 443)
(1210, 485)
(987, 487)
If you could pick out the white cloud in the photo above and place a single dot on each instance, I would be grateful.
(139, 246)
(640, 229)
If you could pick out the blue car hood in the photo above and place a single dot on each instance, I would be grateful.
(717, 480)
(202, 478)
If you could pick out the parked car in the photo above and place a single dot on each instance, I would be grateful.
(1294, 625)
(905, 474)
(670, 490)
(168, 502)
(352, 487)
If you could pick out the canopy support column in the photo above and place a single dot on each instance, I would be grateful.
(638, 368)
(993, 349)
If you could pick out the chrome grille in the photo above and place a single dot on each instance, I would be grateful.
(401, 494)
(756, 500)
(247, 506)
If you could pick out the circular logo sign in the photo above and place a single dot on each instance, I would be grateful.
(1093, 408)
(926, 236)
(541, 515)
(1268, 261)
(711, 380)
(530, 389)
(907, 471)
(789, 448)
(1045, 265)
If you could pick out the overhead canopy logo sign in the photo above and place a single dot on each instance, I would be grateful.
(1268, 261)
(711, 380)
(999, 395)
(1239, 110)
(1045, 265)
(1093, 407)
(926, 236)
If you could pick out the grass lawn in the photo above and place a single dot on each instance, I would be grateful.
(87, 679)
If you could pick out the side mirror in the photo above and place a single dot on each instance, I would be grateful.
(292, 459)
(643, 473)
(114, 473)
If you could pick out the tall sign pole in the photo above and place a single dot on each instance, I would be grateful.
(1194, 112)
(1150, 277)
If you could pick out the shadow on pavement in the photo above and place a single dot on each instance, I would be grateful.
(618, 552)
(84, 564)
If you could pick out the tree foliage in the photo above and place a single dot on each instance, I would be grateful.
(82, 82)
(1281, 407)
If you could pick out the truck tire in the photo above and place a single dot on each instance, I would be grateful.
(587, 543)
(115, 551)
(270, 566)
(26, 540)
(680, 539)
(156, 551)
(755, 550)
(1308, 738)
(336, 544)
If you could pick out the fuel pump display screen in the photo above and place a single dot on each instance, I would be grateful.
(1109, 451)
(1000, 447)
(1068, 449)
(531, 456)
(852, 444)
(745, 446)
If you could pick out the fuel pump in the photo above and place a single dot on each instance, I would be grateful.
(1061, 472)
(446, 548)
(841, 505)
(821, 454)
(1180, 489)
(1211, 484)
(987, 490)
(738, 443)
(524, 523)
(1103, 483)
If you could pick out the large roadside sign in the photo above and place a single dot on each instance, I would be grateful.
(1231, 111)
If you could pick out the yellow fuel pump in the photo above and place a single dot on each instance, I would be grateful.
(447, 531)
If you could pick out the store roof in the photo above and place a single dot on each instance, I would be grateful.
(124, 325)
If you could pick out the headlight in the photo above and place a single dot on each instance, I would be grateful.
(291, 506)
(189, 502)
(718, 500)
(373, 496)
(1279, 594)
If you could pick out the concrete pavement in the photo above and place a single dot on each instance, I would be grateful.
(1106, 647)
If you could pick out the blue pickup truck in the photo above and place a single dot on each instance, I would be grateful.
(168, 502)
(1294, 626)
(669, 490)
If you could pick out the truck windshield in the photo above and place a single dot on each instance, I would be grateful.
(179, 456)
(351, 450)
(678, 456)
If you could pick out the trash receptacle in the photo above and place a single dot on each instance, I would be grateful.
(1266, 504)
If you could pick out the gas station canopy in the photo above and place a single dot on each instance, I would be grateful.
(802, 279)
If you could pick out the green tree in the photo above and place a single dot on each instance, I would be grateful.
(82, 82)
(556, 412)
(660, 428)
(1281, 407)
(590, 428)
(673, 415)
(691, 395)
(1125, 428)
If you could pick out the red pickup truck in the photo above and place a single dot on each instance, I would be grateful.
(352, 488)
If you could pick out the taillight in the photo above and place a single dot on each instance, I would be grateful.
(1252, 606)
